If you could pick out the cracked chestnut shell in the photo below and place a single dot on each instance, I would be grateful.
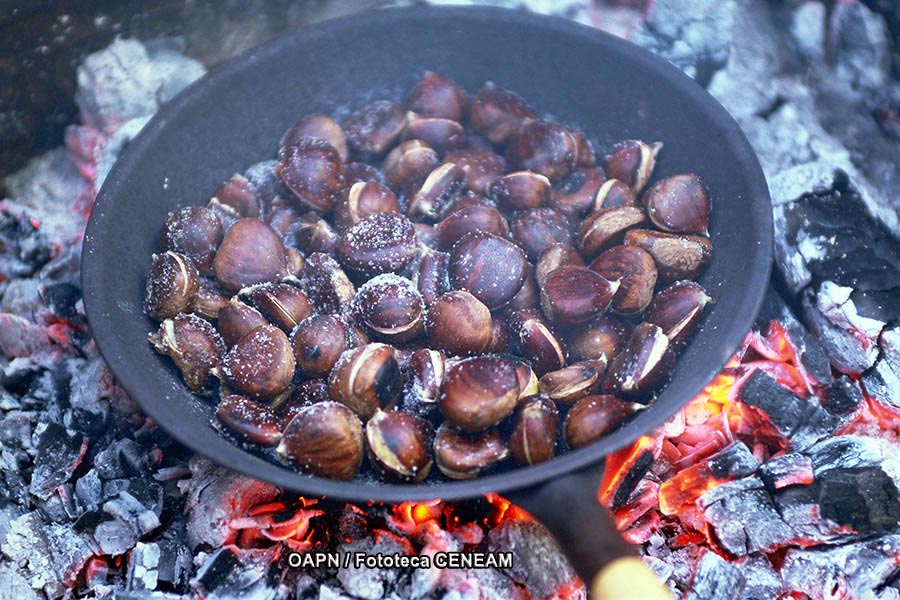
(237, 319)
(677, 310)
(479, 392)
(314, 234)
(326, 284)
(538, 342)
(473, 267)
(593, 417)
(381, 243)
(571, 295)
(535, 429)
(324, 439)
(538, 229)
(194, 232)
(317, 343)
(313, 170)
(676, 256)
(444, 135)
(459, 323)
(679, 204)
(364, 198)
(261, 364)
(606, 228)
(643, 366)
(366, 379)
(316, 126)
(520, 190)
(193, 345)
(542, 147)
(399, 445)
(409, 160)
(632, 162)
(250, 253)
(172, 286)
(613, 193)
(210, 300)
(481, 167)
(528, 295)
(575, 194)
(374, 128)
(249, 420)
(554, 257)
(282, 304)
(602, 337)
(237, 196)
(496, 113)
(436, 96)
(635, 270)
(475, 217)
(574, 382)
(430, 199)
(424, 374)
(463, 455)
(390, 307)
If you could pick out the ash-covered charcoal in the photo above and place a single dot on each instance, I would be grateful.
(59, 452)
(14, 585)
(369, 583)
(538, 563)
(231, 572)
(802, 421)
(122, 458)
(761, 580)
(786, 470)
(842, 396)
(716, 579)
(143, 566)
(882, 382)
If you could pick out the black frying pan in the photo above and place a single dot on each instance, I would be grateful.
(233, 118)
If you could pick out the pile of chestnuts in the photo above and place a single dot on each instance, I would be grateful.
(457, 282)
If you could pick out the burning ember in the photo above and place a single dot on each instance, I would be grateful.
(779, 481)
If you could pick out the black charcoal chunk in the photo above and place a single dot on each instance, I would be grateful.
(842, 396)
(716, 579)
(59, 452)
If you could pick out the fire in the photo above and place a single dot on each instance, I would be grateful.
(504, 509)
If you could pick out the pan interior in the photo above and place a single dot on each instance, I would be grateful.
(233, 118)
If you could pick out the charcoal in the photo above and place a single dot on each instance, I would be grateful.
(48, 555)
(842, 396)
(811, 353)
(15, 430)
(232, 573)
(12, 485)
(114, 146)
(119, 594)
(123, 458)
(14, 585)
(215, 496)
(538, 563)
(849, 452)
(761, 580)
(785, 470)
(175, 560)
(25, 247)
(21, 297)
(866, 499)
(62, 299)
(326, 593)
(143, 564)
(802, 421)
(743, 517)
(126, 508)
(362, 582)
(21, 338)
(857, 568)
(114, 536)
(59, 452)
(890, 346)
(716, 579)
(882, 382)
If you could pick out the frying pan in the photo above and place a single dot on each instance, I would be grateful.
(234, 116)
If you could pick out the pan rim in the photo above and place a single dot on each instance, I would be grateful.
(239, 459)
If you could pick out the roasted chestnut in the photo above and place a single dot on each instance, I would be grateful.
(409, 160)
(237, 319)
(611, 194)
(424, 374)
(632, 162)
(286, 216)
(571, 295)
(312, 233)
(499, 336)
(584, 151)
(478, 392)
(261, 364)
(355, 172)
(602, 337)
(326, 284)
(194, 232)
(463, 455)
(676, 256)
(172, 286)
(496, 113)
(481, 167)
(634, 269)
(554, 257)
(677, 310)
(399, 445)
(529, 385)
(444, 135)
(429, 200)
(193, 345)
(294, 261)
(428, 272)
(390, 307)
(607, 227)
(322, 127)
(324, 439)
(459, 323)
(364, 199)
(302, 395)
(643, 366)
(536, 230)
(381, 243)
(533, 438)
(317, 343)
(436, 96)
(574, 382)
(237, 195)
(249, 420)
(539, 343)
(374, 128)
(283, 305)
(473, 267)
(366, 379)
(209, 300)
(313, 170)
(520, 190)
(542, 147)
(575, 194)
(679, 204)
(593, 417)
(475, 217)
(250, 253)
(528, 295)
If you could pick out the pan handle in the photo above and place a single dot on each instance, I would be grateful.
(585, 530)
